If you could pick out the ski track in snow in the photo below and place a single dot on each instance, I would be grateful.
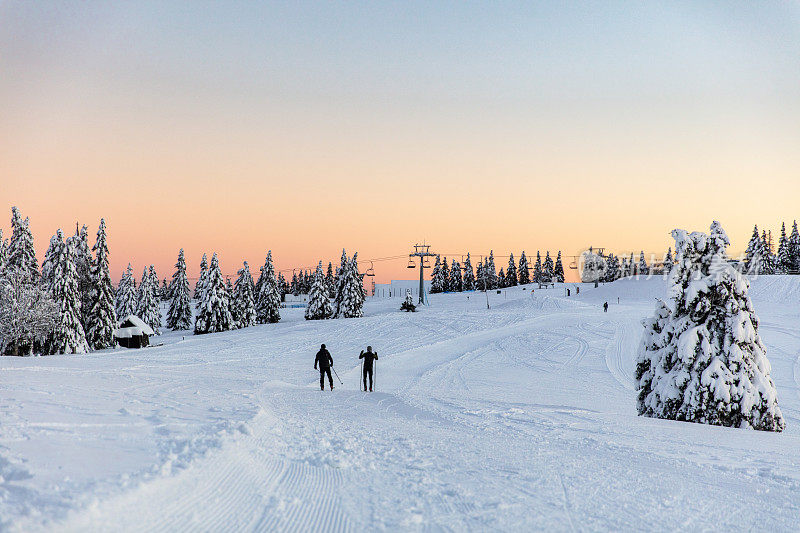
(516, 418)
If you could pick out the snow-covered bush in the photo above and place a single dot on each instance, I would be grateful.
(701, 358)
(27, 314)
(408, 305)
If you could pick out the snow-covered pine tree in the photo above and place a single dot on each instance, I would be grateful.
(669, 262)
(330, 282)
(643, 268)
(754, 255)
(612, 269)
(701, 358)
(21, 254)
(469, 275)
(783, 261)
(215, 313)
(126, 295)
(84, 266)
(558, 270)
(229, 292)
(179, 315)
(319, 304)
(3, 252)
(445, 276)
(501, 279)
(283, 287)
(537, 269)
(490, 271)
(348, 292)
(243, 307)
(524, 274)
(511, 272)
(794, 249)
(201, 278)
(102, 315)
(268, 298)
(68, 335)
(625, 268)
(50, 259)
(769, 262)
(437, 285)
(480, 277)
(294, 286)
(359, 281)
(164, 293)
(147, 303)
(548, 269)
(456, 280)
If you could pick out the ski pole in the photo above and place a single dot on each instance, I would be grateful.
(337, 376)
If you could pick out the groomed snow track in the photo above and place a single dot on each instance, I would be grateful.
(517, 418)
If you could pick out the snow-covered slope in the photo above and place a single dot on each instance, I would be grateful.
(517, 417)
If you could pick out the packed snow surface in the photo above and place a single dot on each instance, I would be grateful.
(515, 418)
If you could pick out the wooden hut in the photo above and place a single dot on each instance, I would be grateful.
(133, 332)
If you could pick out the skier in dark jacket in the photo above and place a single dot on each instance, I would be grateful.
(369, 356)
(325, 362)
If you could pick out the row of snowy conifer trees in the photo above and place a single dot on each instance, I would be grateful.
(68, 307)
(458, 277)
(761, 259)
(222, 307)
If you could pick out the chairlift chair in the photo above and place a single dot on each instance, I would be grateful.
(411, 263)
(370, 271)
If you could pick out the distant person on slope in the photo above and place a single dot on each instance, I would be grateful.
(605, 307)
(369, 356)
(325, 362)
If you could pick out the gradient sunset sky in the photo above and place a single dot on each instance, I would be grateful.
(308, 127)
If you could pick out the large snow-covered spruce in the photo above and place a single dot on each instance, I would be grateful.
(267, 294)
(214, 309)
(511, 272)
(349, 290)
(102, 317)
(201, 279)
(126, 295)
(243, 306)
(21, 254)
(147, 306)
(68, 335)
(319, 305)
(558, 269)
(701, 358)
(469, 274)
(524, 273)
(179, 315)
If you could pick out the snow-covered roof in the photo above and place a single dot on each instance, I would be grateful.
(138, 328)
